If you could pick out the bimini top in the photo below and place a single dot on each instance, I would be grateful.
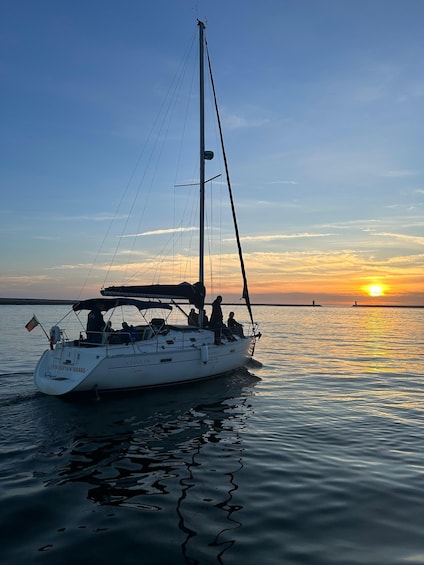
(194, 293)
(105, 304)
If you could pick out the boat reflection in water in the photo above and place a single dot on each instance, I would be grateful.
(173, 455)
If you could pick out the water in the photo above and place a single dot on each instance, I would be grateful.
(314, 458)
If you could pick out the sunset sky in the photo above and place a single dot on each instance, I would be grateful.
(322, 105)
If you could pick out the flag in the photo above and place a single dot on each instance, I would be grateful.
(33, 323)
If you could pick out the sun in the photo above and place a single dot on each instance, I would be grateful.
(375, 290)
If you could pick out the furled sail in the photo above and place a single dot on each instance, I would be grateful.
(194, 293)
(105, 304)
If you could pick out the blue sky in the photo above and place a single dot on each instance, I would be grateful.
(322, 109)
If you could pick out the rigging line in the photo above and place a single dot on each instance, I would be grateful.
(162, 255)
(186, 114)
(170, 244)
(196, 183)
(114, 216)
(245, 294)
(210, 241)
(164, 111)
(171, 110)
(180, 152)
(123, 194)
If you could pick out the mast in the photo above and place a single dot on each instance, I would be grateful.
(202, 154)
(202, 164)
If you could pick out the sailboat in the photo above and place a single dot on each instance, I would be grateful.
(155, 352)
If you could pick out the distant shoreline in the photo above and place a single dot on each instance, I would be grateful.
(59, 302)
(386, 306)
(52, 301)
(35, 301)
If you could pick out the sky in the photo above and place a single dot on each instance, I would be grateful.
(322, 107)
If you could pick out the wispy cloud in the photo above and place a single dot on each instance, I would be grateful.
(281, 236)
(100, 217)
(410, 238)
(162, 232)
(414, 91)
(267, 203)
(237, 121)
(417, 90)
(69, 267)
(348, 224)
(23, 279)
(369, 93)
(398, 174)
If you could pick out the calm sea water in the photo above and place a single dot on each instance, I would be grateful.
(314, 458)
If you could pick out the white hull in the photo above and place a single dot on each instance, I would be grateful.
(178, 357)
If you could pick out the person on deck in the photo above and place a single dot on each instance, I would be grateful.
(205, 319)
(193, 318)
(217, 318)
(235, 326)
(130, 332)
(216, 322)
(95, 325)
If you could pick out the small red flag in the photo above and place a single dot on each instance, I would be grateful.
(33, 323)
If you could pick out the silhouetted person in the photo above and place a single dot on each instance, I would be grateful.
(216, 322)
(235, 326)
(193, 318)
(129, 332)
(95, 325)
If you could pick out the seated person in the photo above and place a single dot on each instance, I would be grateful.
(193, 318)
(130, 331)
(205, 319)
(235, 326)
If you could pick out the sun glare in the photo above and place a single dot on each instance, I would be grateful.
(375, 290)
